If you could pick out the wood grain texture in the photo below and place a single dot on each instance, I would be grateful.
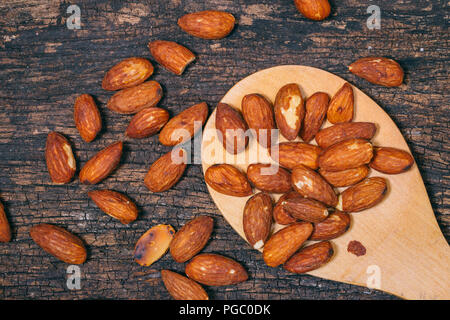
(45, 67)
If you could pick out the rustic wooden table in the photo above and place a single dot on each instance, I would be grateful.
(45, 66)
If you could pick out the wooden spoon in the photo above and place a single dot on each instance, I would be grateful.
(407, 254)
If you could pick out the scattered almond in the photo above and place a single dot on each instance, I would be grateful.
(115, 204)
(345, 178)
(345, 155)
(344, 131)
(291, 154)
(310, 258)
(341, 105)
(269, 178)
(391, 160)
(257, 219)
(306, 209)
(182, 288)
(171, 55)
(226, 179)
(209, 24)
(378, 70)
(147, 122)
(127, 73)
(289, 110)
(363, 195)
(280, 215)
(315, 112)
(87, 117)
(5, 229)
(313, 9)
(153, 244)
(335, 225)
(133, 100)
(61, 163)
(231, 128)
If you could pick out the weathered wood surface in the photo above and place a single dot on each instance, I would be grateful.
(44, 66)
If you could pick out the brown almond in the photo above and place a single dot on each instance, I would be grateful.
(147, 122)
(209, 24)
(378, 70)
(269, 178)
(5, 229)
(363, 195)
(341, 105)
(182, 288)
(313, 9)
(226, 179)
(306, 209)
(153, 244)
(280, 215)
(115, 204)
(345, 155)
(257, 219)
(231, 128)
(344, 131)
(289, 110)
(61, 163)
(87, 117)
(171, 55)
(335, 225)
(310, 258)
(315, 112)
(127, 73)
(391, 160)
(345, 178)
(133, 100)
(291, 154)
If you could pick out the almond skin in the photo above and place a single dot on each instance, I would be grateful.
(291, 154)
(133, 100)
(127, 73)
(147, 122)
(232, 128)
(59, 242)
(306, 209)
(310, 258)
(182, 288)
(344, 131)
(363, 195)
(315, 112)
(289, 110)
(258, 113)
(115, 204)
(341, 105)
(209, 24)
(102, 164)
(184, 125)
(5, 230)
(257, 219)
(285, 242)
(378, 70)
(61, 163)
(391, 160)
(310, 184)
(191, 238)
(280, 215)
(345, 178)
(313, 9)
(226, 179)
(165, 172)
(345, 155)
(87, 117)
(153, 244)
(171, 55)
(332, 227)
(215, 270)
(262, 177)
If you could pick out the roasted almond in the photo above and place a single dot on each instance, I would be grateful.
(171, 55)
(257, 219)
(115, 204)
(345, 155)
(59, 242)
(280, 215)
(341, 105)
(363, 195)
(102, 164)
(310, 258)
(5, 230)
(344, 131)
(153, 244)
(345, 178)
(133, 100)
(191, 238)
(87, 117)
(289, 110)
(61, 163)
(215, 270)
(209, 24)
(306, 209)
(291, 154)
(184, 125)
(226, 179)
(182, 288)
(391, 160)
(285, 242)
(313, 9)
(315, 112)
(335, 225)
(378, 70)
(147, 122)
(231, 128)
(269, 178)
(127, 73)
(166, 171)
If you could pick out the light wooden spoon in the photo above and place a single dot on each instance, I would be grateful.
(407, 254)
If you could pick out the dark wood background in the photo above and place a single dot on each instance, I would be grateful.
(44, 66)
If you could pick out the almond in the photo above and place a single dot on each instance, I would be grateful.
(345, 155)
(310, 258)
(341, 105)
(133, 100)
(269, 178)
(226, 179)
(363, 195)
(59, 242)
(182, 288)
(284, 243)
(231, 128)
(165, 172)
(257, 219)
(391, 160)
(184, 125)
(332, 227)
(315, 112)
(5, 230)
(344, 131)
(61, 163)
(147, 122)
(345, 178)
(115, 204)
(191, 238)
(313, 9)
(215, 270)
(153, 244)
(208, 24)
(306, 209)
(289, 110)
(310, 184)
(127, 73)
(87, 117)
(171, 55)
(102, 164)
(291, 154)
(378, 70)
(258, 113)
(280, 215)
